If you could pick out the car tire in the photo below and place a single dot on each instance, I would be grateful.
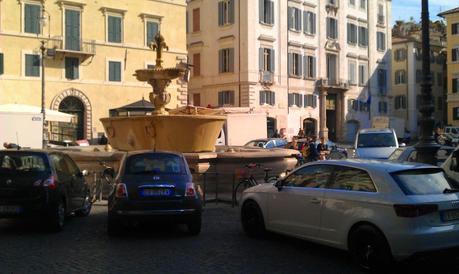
(114, 227)
(86, 209)
(194, 226)
(252, 220)
(369, 248)
(57, 216)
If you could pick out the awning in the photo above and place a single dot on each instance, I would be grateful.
(51, 115)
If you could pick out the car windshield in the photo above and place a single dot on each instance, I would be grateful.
(255, 143)
(155, 163)
(423, 181)
(376, 140)
(22, 162)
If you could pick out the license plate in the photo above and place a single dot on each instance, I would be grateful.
(10, 209)
(450, 215)
(152, 192)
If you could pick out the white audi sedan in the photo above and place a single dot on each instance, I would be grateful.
(378, 211)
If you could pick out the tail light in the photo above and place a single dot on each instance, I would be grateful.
(50, 183)
(190, 190)
(412, 211)
(121, 191)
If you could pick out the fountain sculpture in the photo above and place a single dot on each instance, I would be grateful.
(188, 129)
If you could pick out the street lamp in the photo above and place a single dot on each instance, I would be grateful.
(426, 147)
(44, 19)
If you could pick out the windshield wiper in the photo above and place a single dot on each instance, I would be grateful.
(451, 190)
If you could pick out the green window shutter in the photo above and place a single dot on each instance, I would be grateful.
(114, 29)
(72, 30)
(1, 64)
(272, 59)
(114, 71)
(72, 68)
(32, 18)
(32, 65)
(152, 30)
(231, 11)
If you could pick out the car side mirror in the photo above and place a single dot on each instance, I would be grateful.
(402, 145)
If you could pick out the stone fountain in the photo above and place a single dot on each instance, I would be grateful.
(188, 129)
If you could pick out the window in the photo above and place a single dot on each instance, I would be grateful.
(381, 41)
(226, 60)
(294, 19)
(381, 18)
(332, 28)
(226, 98)
(363, 74)
(422, 181)
(351, 34)
(382, 107)
(187, 25)
(455, 29)
(267, 97)
(150, 66)
(266, 12)
(32, 14)
(455, 85)
(363, 37)
(363, 4)
(226, 12)
(352, 179)
(294, 64)
(114, 26)
(455, 113)
(310, 100)
(455, 55)
(400, 102)
(316, 176)
(32, 65)
(155, 163)
(382, 81)
(309, 19)
(72, 30)
(352, 3)
(400, 77)
(71, 68)
(196, 20)
(400, 55)
(196, 99)
(196, 64)
(332, 68)
(332, 2)
(266, 59)
(152, 30)
(352, 76)
(1, 63)
(309, 67)
(114, 71)
(295, 99)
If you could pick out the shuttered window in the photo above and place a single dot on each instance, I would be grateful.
(114, 25)
(455, 54)
(382, 107)
(226, 98)
(226, 12)
(267, 97)
(2, 62)
(351, 33)
(309, 19)
(382, 81)
(32, 14)
(455, 28)
(381, 41)
(114, 71)
(310, 100)
(294, 19)
(455, 84)
(266, 59)
(226, 60)
(363, 74)
(455, 113)
(152, 30)
(332, 28)
(295, 99)
(309, 67)
(295, 64)
(196, 64)
(196, 20)
(72, 30)
(32, 65)
(400, 77)
(266, 11)
(351, 73)
(72, 68)
(363, 36)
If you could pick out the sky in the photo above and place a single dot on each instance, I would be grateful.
(404, 9)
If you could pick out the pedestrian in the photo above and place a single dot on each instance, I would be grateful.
(313, 155)
(103, 139)
(407, 137)
(300, 133)
(293, 144)
(322, 149)
(276, 134)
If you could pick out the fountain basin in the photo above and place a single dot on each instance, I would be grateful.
(183, 133)
(146, 75)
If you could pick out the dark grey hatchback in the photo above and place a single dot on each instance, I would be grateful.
(154, 186)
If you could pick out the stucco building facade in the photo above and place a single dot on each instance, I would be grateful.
(94, 49)
(322, 66)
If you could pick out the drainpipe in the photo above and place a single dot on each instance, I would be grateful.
(288, 68)
(239, 50)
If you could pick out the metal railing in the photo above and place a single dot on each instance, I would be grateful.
(82, 46)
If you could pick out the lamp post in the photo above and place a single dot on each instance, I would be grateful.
(45, 16)
(426, 147)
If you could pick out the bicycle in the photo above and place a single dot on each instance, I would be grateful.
(251, 181)
(106, 177)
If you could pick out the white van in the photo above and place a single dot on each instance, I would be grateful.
(375, 143)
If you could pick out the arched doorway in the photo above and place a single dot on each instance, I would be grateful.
(271, 126)
(352, 127)
(310, 126)
(74, 130)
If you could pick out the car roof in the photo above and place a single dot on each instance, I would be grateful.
(387, 166)
(137, 152)
(376, 130)
(14, 150)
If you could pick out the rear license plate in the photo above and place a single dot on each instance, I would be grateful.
(10, 209)
(450, 215)
(156, 192)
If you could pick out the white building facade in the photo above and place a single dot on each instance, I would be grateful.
(318, 65)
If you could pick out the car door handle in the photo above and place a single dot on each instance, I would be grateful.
(315, 201)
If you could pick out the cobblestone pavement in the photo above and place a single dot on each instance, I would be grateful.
(83, 247)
